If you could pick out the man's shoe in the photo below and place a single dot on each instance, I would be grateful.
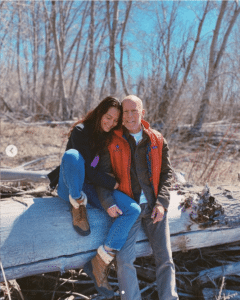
(80, 221)
(97, 269)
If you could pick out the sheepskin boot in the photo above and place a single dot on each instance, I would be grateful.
(79, 215)
(98, 268)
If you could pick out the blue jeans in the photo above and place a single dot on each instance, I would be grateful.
(159, 238)
(71, 181)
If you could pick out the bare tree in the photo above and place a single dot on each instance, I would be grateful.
(46, 62)
(129, 5)
(18, 54)
(167, 64)
(34, 6)
(112, 27)
(91, 72)
(58, 57)
(214, 61)
(77, 68)
(65, 114)
(191, 57)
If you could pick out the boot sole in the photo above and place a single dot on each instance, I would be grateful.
(81, 232)
(103, 291)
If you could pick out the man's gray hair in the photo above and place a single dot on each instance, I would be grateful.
(133, 98)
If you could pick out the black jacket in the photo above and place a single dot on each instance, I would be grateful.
(81, 140)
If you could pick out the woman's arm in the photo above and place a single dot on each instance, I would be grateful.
(80, 141)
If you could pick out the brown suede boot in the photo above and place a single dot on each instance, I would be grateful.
(80, 221)
(98, 268)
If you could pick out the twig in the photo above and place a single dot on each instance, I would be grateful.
(20, 201)
(149, 286)
(34, 161)
(10, 188)
(67, 280)
(17, 287)
(5, 280)
(221, 288)
(58, 292)
(55, 288)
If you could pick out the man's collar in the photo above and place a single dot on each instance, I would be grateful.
(123, 131)
(126, 132)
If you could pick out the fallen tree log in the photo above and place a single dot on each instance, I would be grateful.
(37, 235)
(46, 123)
(210, 294)
(213, 273)
(21, 174)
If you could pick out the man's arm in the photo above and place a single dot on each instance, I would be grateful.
(163, 197)
(105, 196)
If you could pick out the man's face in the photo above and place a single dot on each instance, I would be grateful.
(132, 115)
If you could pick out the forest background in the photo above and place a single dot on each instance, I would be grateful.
(58, 59)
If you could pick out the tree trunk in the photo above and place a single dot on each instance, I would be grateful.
(46, 63)
(23, 175)
(104, 80)
(65, 114)
(214, 273)
(81, 68)
(18, 56)
(184, 81)
(35, 53)
(122, 47)
(45, 226)
(91, 71)
(112, 33)
(170, 80)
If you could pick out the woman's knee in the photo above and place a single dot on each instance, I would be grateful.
(72, 156)
(130, 205)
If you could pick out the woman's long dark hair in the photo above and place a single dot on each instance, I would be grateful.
(94, 117)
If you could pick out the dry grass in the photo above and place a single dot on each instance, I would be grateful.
(33, 142)
(201, 162)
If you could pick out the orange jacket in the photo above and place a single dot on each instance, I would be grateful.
(120, 154)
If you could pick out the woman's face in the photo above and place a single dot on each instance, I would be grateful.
(110, 119)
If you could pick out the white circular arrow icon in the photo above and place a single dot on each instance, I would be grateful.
(11, 150)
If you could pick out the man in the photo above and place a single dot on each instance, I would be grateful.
(138, 158)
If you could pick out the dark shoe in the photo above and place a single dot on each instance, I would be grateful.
(97, 269)
(80, 221)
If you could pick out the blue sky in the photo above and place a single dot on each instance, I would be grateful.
(146, 21)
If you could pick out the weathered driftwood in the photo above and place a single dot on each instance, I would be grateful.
(46, 123)
(210, 294)
(40, 191)
(37, 234)
(213, 273)
(21, 174)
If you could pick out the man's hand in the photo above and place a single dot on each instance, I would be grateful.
(157, 213)
(114, 211)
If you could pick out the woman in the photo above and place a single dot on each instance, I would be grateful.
(79, 173)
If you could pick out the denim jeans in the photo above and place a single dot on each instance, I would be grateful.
(72, 181)
(159, 238)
